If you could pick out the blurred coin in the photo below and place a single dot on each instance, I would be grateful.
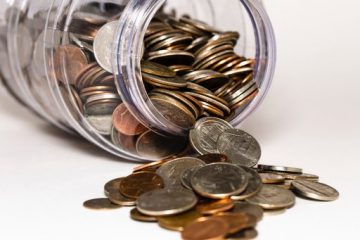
(263, 167)
(171, 57)
(151, 165)
(125, 122)
(237, 221)
(253, 187)
(271, 178)
(117, 198)
(314, 190)
(245, 207)
(112, 185)
(101, 123)
(100, 204)
(187, 175)
(211, 207)
(241, 148)
(272, 197)
(165, 202)
(246, 234)
(138, 216)
(178, 222)
(157, 69)
(213, 158)
(206, 229)
(219, 180)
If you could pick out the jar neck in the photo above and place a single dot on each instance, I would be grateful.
(128, 54)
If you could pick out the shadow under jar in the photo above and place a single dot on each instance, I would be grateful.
(134, 76)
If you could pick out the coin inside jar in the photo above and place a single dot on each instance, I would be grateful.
(125, 122)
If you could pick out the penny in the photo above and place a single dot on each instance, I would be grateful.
(136, 184)
(271, 178)
(178, 222)
(245, 207)
(100, 204)
(273, 197)
(237, 221)
(125, 122)
(206, 229)
(219, 180)
(213, 158)
(240, 147)
(204, 136)
(138, 216)
(157, 69)
(211, 207)
(165, 202)
(253, 187)
(263, 167)
(246, 234)
(315, 190)
(172, 171)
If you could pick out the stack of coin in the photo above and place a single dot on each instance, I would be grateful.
(220, 193)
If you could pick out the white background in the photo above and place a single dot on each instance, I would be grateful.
(310, 119)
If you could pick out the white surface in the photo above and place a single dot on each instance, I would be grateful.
(310, 119)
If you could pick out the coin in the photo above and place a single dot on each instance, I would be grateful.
(100, 204)
(240, 147)
(213, 158)
(245, 234)
(187, 175)
(315, 190)
(178, 222)
(165, 202)
(103, 45)
(273, 197)
(157, 69)
(219, 180)
(172, 171)
(263, 167)
(206, 229)
(237, 221)
(176, 82)
(136, 184)
(253, 187)
(171, 57)
(205, 134)
(151, 165)
(245, 207)
(138, 216)
(117, 198)
(102, 124)
(125, 122)
(112, 185)
(211, 207)
(297, 176)
(271, 178)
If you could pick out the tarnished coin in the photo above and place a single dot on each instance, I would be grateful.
(271, 178)
(213, 158)
(219, 180)
(126, 123)
(273, 197)
(204, 136)
(157, 69)
(187, 175)
(138, 183)
(165, 202)
(138, 216)
(246, 234)
(315, 190)
(211, 207)
(172, 171)
(240, 147)
(103, 45)
(263, 167)
(237, 221)
(112, 185)
(100, 204)
(253, 187)
(178, 222)
(245, 207)
(206, 229)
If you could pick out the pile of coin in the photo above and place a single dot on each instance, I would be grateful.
(219, 193)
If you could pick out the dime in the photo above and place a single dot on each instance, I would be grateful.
(245, 234)
(219, 180)
(172, 171)
(206, 229)
(245, 207)
(213, 158)
(187, 175)
(263, 167)
(211, 207)
(271, 178)
(178, 222)
(253, 187)
(237, 221)
(138, 183)
(138, 216)
(273, 197)
(205, 134)
(315, 190)
(126, 123)
(100, 204)
(165, 202)
(240, 147)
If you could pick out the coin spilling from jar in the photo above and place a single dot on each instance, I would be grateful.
(220, 192)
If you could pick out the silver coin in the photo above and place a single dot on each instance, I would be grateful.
(273, 197)
(101, 123)
(171, 172)
(253, 187)
(187, 175)
(315, 190)
(240, 147)
(204, 136)
(263, 167)
(219, 180)
(101, 108)
(245, 207)
(165, 202)
(103, 45)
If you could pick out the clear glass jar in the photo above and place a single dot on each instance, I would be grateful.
(33, 34)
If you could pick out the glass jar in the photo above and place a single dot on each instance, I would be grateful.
(48, 64)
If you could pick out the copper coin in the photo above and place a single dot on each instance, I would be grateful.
(100, 204)
(112, 185)
(126, 123)
(206, 229)
(180, 221)
(152, 165)
(138, 216)
(68, 60)
(237, 221)
(245, 234)
(213, 207)
(139, 183)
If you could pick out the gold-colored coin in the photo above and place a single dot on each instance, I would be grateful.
(178, 222)
(207, 228)
(237, 221)
(209, 207)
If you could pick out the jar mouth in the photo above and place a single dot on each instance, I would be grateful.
(128, 54)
